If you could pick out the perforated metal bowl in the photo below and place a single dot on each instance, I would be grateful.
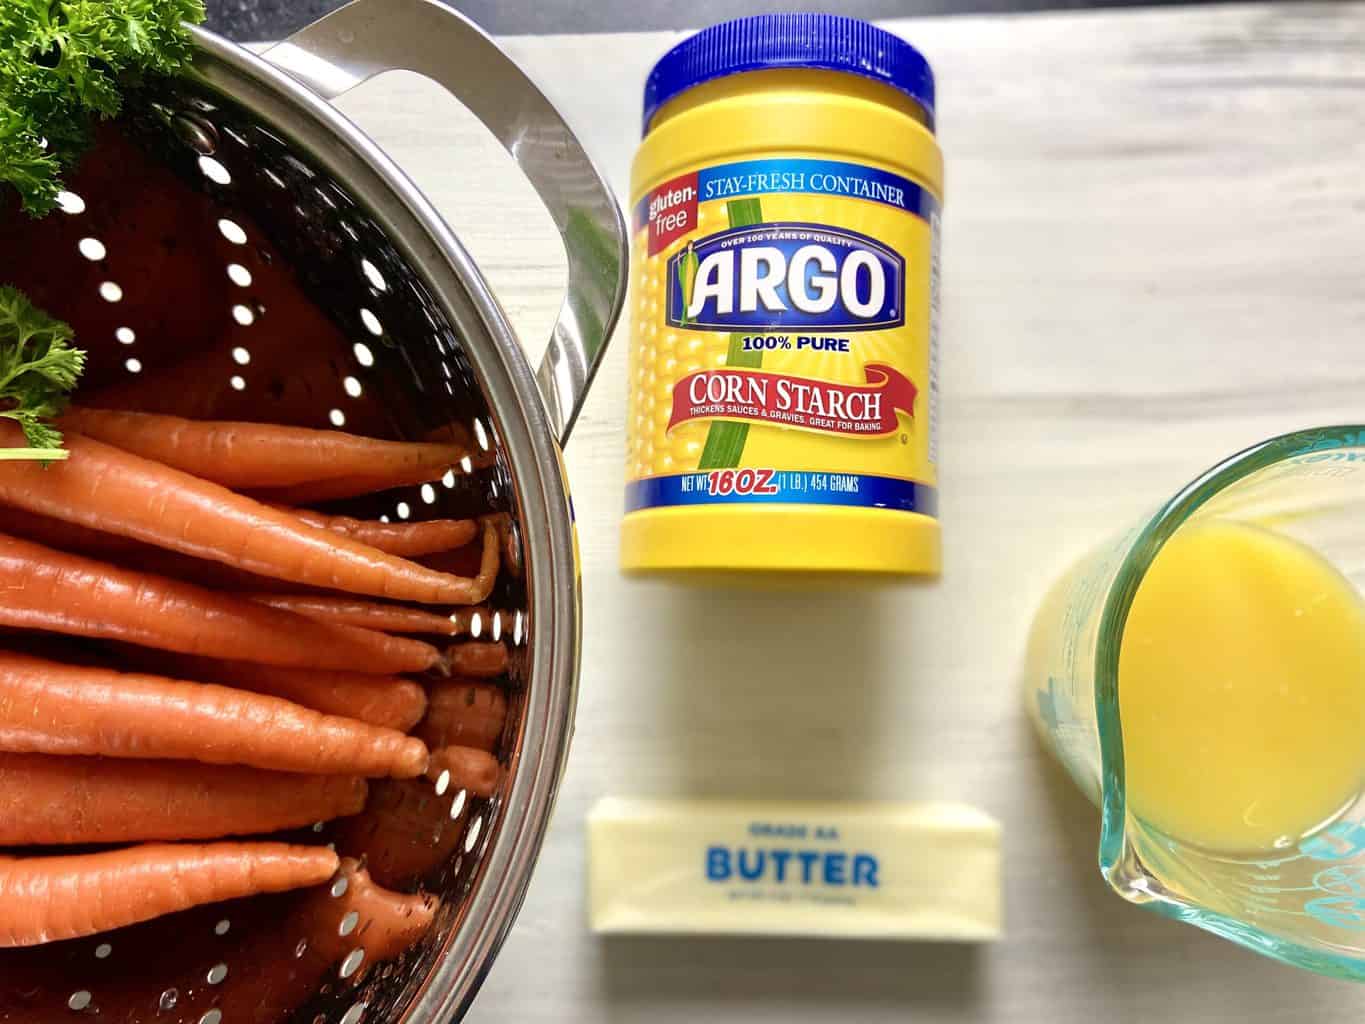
(238, 197)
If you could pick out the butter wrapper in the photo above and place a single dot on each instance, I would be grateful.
(926, 871)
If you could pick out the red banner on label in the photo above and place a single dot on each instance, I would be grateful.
(670, 211)
(863, 410)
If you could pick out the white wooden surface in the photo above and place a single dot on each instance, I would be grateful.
(1154, 244)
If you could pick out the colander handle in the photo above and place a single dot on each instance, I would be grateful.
(368, 37)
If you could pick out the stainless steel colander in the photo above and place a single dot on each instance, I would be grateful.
(236, 248)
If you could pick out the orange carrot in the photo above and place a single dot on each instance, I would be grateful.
(65, 536)
(464, 713)
(388, 701)
(59, 593)
(63, 800)
(50, 708)
(406, 831)
(108, 489)
(350, 611)
(47, 899)
(479, 659)
(407, 540)
(476, 771)
(247, 455)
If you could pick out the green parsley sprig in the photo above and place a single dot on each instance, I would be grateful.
(65, 62)
(38, 367)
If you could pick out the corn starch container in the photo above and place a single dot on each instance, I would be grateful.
(785, 271)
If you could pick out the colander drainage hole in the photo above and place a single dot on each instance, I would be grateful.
(352, 962)
(375, 277)
(238, 382)
(363, 354)
(168, 999)
(216, 974)
(348, 923)
(337, 417)
(457, 804)
(232, 231)
(472, 838)
(243, 315)
(222, 927)
(111, 292)
(371, 322)
(92, 249)
(214, 171)
(125, 335)
(339, 887)
(79, 1000)
(353, 1015)
(239, 275)
(443, 782)
(300, 949)
(70, 202)
(133, 365)
(214, 1016)
(103, 950)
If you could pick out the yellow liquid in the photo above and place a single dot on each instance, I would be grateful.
(1242, 690)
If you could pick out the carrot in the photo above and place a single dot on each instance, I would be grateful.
(48, 899)
(465, 768)
(50, 708)
(59, 593)
(406, 831)
(63, 800)
(388, 701)
(465, 713)
(107, 489)
(477, 658)
(407, 540)
(247, 455)
(349, 611)
(66, 536)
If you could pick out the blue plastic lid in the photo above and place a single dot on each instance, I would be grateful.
(829, 42)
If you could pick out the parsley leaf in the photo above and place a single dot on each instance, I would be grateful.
(64, 62)
(38, 367)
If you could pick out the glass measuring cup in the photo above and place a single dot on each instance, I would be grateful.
(1305, 904)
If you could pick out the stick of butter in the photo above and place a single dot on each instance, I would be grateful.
(870, 871)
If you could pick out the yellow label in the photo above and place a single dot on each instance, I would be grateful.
(784, 338)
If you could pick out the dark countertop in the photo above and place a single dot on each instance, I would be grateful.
(255, 20)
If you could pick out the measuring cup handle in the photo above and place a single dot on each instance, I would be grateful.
(368, 37)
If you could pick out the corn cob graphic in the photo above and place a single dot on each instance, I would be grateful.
(687, 279)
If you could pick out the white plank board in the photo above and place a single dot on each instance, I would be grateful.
(1154, 235)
